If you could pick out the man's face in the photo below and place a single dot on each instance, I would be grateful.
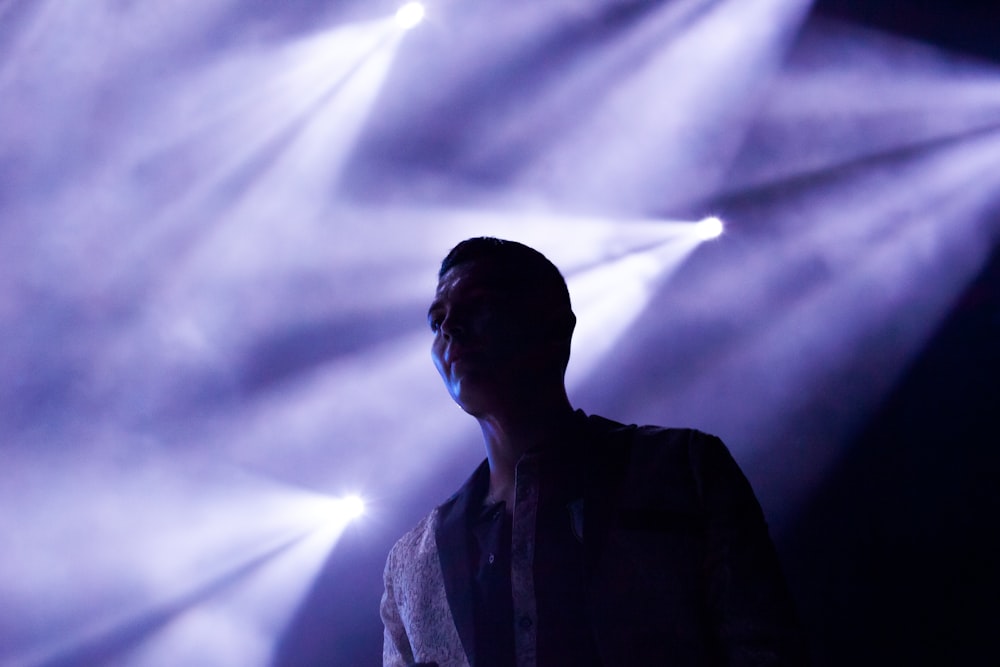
(485, 346)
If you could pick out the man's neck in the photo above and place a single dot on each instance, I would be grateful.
(508, 436)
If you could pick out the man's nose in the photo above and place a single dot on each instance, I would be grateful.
(453, 327)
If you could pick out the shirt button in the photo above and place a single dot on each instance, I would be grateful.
(526, 623)
(492, 558)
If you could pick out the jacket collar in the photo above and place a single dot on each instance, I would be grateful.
(452, 538)
(602, 446)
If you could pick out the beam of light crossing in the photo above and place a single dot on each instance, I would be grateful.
(549, 101)
(559, 53)
(165, 544)
(239, 625)
(386, 396)
(280, 141)
(609, 297)
(252, 127)
(808, 329)
(174, 234)
(290, 154)
(682, 136)
(848, 94)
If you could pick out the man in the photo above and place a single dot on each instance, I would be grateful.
(578, 541)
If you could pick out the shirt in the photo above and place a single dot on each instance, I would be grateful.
(530, 601)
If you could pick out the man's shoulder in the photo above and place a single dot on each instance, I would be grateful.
(648, 435)
(658, 454)
(417, 545)
(662, 466)
(422, 538)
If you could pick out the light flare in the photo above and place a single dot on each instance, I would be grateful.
(709, 228)
(410, 15)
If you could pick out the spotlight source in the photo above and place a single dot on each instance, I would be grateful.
(409, 15)
(709, 228)
(351, 507)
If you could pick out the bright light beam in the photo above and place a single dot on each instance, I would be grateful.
(714, 67)
(816, 321)
(281, 201)
(832, 106)
(410, 15)
(210, 544)
(351, 507)
(608, 298)
(709, 228)
(284, 139)
(612, 267)
(236, 625)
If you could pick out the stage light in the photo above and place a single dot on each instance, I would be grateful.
(409, 15)
(351, 507)
(709, 228)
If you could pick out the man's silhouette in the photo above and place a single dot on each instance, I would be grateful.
(578, 541)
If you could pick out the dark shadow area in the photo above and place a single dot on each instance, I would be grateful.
(894, 559)
(959, 25)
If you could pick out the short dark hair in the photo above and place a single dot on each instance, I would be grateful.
(525, 266)
(526, 273)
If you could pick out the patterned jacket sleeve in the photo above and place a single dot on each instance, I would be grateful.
(396, 650)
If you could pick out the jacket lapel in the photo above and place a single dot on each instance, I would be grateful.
(453, 551)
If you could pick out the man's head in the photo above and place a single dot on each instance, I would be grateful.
(502, 321)
(524, 269)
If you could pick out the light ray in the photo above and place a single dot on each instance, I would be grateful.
(410, 15)
(681, 138)
(803, 334)
(157, 539)
(330, 409)
(848, 94)
(207, 342)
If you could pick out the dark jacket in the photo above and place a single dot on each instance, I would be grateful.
(680, 568)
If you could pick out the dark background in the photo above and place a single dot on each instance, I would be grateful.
(894, 560)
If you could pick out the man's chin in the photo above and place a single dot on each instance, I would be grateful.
(471, 398)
